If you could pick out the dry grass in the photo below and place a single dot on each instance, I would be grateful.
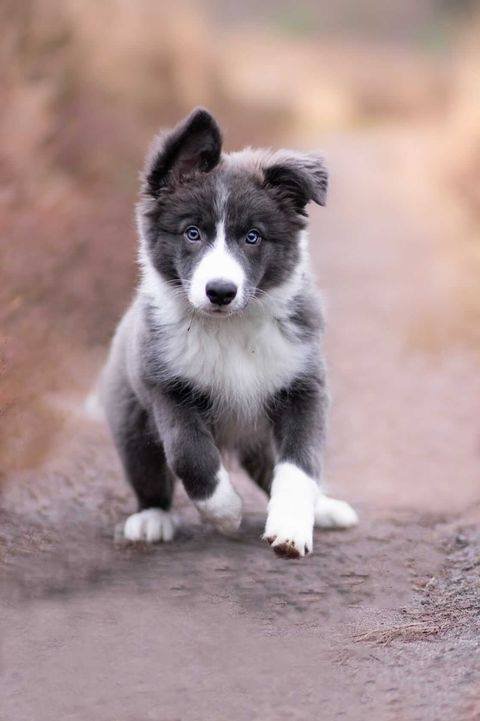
(407, 633)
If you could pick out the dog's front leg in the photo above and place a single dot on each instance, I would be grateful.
(193, 457)
(296, 501)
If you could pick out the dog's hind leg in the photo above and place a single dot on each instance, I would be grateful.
(333, 513)
(145, 467)
(259, 461)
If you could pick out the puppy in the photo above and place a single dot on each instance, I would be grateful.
(220, 350)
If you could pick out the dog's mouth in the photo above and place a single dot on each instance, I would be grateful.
(219, 312)
(212, 310)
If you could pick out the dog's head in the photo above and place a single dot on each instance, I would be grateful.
(224, 229)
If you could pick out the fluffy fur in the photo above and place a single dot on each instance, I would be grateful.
(221, 347)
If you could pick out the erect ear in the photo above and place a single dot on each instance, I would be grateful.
(194, 144)
(297, 178)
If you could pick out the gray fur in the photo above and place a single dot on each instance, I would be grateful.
(167, 422)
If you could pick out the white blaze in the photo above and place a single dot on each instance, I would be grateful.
(218, 263)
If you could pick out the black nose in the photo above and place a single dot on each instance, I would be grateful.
(221, 292)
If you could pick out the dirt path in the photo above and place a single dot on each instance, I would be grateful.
(381, 623)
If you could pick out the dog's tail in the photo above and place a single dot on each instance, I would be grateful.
(93, 407)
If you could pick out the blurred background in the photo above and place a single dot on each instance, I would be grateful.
(86, 84)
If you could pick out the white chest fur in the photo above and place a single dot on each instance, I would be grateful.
(240, 360)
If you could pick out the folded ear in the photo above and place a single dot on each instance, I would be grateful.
(194, 144)
(297, 178)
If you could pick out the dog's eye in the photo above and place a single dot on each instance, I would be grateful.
(253, 237)
(192, 234)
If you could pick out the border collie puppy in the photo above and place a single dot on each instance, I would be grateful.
(220, 351)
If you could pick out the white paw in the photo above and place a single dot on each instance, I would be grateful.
(151, 525)
(224, 507)
(289, 535)
(289, 526)
(331, 513)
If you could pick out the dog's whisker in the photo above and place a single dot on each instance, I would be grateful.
(191, 319)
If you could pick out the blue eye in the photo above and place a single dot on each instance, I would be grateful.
(192, 234)
(252, 237)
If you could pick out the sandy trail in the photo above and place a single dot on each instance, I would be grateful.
(380, 623)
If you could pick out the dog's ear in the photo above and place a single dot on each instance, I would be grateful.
(194, 144)
(297, 178)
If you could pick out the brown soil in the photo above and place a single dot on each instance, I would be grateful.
(381, 623)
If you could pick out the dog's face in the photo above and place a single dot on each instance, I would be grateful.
(224, 229)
